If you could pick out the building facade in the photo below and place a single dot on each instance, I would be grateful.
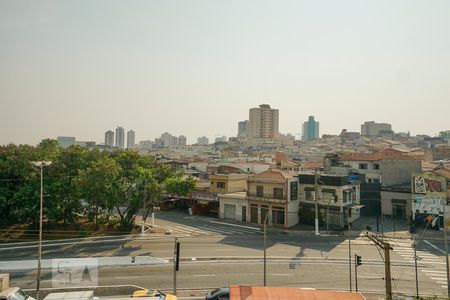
(338, 198)
(66, 141)
(109, 139)
(182, 140)
(310, 130)
(373, 129)
(120, 138)
(131, 139)
(243, 129)
(263, 122)
(273, 198)
(203, 140)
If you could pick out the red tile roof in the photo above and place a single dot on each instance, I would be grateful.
(273, 174)
(269, 293)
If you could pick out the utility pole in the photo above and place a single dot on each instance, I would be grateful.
(446, 251)
(176, 258)
(266, 219)
(145, 207)
(387, 262)
(265, 251)
(415, 269)
(387, 270)
(316, 209)
(349, 256)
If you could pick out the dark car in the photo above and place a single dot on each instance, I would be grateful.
(219, 294)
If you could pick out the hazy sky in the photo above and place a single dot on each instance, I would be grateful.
(79, 68)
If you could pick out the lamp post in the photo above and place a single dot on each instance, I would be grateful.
(41, 165)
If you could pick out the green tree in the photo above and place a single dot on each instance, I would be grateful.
(96, 184)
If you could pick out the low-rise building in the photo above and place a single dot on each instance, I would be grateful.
(273, 194)
(338, 198)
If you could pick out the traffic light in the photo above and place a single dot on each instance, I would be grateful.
(177, 257)
(358, 261)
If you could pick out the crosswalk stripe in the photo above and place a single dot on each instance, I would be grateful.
(217, 230)
(435, 271)
(192, 229)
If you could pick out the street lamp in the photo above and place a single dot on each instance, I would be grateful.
(41, 165)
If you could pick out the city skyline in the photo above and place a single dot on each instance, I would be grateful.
(196, 68)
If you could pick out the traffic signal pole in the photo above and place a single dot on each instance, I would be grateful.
(357, 263)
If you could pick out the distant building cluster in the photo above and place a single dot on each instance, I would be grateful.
(262, 172)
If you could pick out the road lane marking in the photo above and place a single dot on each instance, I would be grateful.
(127, 277)
(281, 274)
(435, 247)
(204, 275)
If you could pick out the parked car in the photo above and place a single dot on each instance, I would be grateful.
(153, 293)
(14, 293)
(219, 294)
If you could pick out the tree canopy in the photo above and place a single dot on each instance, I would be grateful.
(82, 185)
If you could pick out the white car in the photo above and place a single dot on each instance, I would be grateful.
(14, 293)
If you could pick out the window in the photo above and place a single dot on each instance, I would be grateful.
(294, 190)
(329, 196)
(277, 193)
(259, 191)
(309, 193)
(376, 166)
(220, 185)
(363, 166)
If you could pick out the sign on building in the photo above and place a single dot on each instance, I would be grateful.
(429, 196)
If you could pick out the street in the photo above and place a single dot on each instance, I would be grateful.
(215, 254)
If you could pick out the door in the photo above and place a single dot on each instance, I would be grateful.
(229, 211)
(244, 213)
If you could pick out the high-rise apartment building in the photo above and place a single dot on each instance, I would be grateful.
(243, 129)
(372, 129)
(109, 138)
(203, 140)
(182, 140)
(120, 137)
(130, 139)
(263, 122)
(310, 130)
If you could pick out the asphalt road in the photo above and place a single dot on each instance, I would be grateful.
(214, 255)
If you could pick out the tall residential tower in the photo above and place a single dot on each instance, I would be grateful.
(109, 138)
(310, 130)
(130, 139)
(120, 137)
(263, 122)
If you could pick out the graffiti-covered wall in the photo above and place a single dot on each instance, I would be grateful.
(429, 196)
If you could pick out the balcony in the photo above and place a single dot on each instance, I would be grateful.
(254, 197)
